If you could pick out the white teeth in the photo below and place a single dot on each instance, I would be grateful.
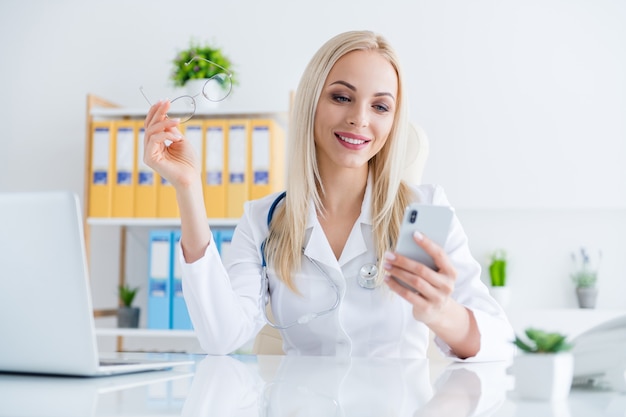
(352, 141)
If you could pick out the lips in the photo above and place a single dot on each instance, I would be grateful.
(352, 139)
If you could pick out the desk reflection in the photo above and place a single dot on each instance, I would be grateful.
(279, 386)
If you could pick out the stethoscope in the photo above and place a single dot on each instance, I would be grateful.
(366, 279)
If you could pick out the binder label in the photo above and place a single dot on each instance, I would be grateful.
(237, 154)
(214, 178)
(214, 155)
(124, 178)
(100, 177)
(146, 178)
(100, 156)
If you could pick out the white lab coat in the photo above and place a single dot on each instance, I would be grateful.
(223, 301)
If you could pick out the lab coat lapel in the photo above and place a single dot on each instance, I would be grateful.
(319, 249)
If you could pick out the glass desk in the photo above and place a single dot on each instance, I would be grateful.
(296, 386)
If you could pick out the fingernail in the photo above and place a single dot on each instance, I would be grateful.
(387, 266)
(417, 235)
(390, 256)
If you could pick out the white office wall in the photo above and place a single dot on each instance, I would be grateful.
(524, 102)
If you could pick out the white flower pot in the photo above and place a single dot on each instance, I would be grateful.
(194, 89)
(501, 294)
(543, 376)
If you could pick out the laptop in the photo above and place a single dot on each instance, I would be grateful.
(46, 313)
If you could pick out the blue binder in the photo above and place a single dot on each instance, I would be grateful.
(180, 314)
(159, 279)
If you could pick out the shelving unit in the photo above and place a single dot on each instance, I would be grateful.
(99, 109)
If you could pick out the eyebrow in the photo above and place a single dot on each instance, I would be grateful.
(353, 88)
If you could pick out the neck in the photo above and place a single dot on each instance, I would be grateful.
(344, 191)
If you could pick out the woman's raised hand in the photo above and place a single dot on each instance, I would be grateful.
(166, 150)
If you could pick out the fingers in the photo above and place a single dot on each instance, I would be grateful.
(158, 127)
(431, 284)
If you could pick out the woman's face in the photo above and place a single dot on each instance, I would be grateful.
(355, 111)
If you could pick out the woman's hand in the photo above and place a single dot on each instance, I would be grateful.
(430, 293)
(178, 162)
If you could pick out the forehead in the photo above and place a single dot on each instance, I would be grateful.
(365, 69)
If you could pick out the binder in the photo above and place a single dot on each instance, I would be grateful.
(216, 239)
(180, 315)
(194, 133)
(267, 159)
(238, 185)
(226, 237)
(123, 192)
(167, 206)
(145, 181)
(100, 181)
(215, 168)
(159, 282)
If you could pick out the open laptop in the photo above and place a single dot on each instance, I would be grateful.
(46, 313)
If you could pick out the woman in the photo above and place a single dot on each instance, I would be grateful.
(342, 210)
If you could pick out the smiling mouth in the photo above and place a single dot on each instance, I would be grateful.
(352, 141)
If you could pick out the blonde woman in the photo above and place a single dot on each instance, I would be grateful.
(306, 251)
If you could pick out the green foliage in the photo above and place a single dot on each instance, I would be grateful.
(586, 274)
(497, 268)
(127, 294)
(540, 341)
(198, 69)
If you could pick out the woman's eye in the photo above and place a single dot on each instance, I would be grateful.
(381, 107)
(342, 99)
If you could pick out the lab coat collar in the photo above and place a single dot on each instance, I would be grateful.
(317, 246)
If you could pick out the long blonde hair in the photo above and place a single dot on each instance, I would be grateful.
(390, 195)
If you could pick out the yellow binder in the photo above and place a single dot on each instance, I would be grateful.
(123, 192)
(145, 181)
(167, 207)
(238, 154)
(267, 159)
(215, 168)
(101, 169)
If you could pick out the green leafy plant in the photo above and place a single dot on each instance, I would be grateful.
(540, 341)
(199, 69)
(127, 294)
(497, 268)
(586, 274)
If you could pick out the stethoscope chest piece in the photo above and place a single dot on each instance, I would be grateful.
(367, 276)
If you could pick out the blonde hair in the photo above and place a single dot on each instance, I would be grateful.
(390, 195)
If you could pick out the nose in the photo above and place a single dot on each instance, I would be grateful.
(358, 117)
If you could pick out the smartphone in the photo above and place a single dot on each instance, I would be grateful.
(432, 221)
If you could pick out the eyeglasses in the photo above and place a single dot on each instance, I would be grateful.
(215, 89)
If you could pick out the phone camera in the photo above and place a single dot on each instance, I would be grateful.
(413, 216)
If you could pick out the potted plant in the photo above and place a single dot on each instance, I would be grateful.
(585, 277)
(497, 277)
(545, 367)
(205, 71)
(127, 315)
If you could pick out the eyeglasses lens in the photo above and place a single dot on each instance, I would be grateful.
(183, 108)
(218, 87)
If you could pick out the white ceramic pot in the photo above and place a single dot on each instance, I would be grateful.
(501, 294)
(194, 89)
(543, 376)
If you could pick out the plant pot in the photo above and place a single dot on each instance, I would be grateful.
(194, 89)
(587, 296)
(543, 376)
(128, 317)
(501, 294)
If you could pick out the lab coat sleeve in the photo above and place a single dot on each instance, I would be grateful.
(223, 300)
(496, 333)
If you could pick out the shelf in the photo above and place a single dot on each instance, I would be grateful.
(165, 333)
(152, 222)
(108, 112)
